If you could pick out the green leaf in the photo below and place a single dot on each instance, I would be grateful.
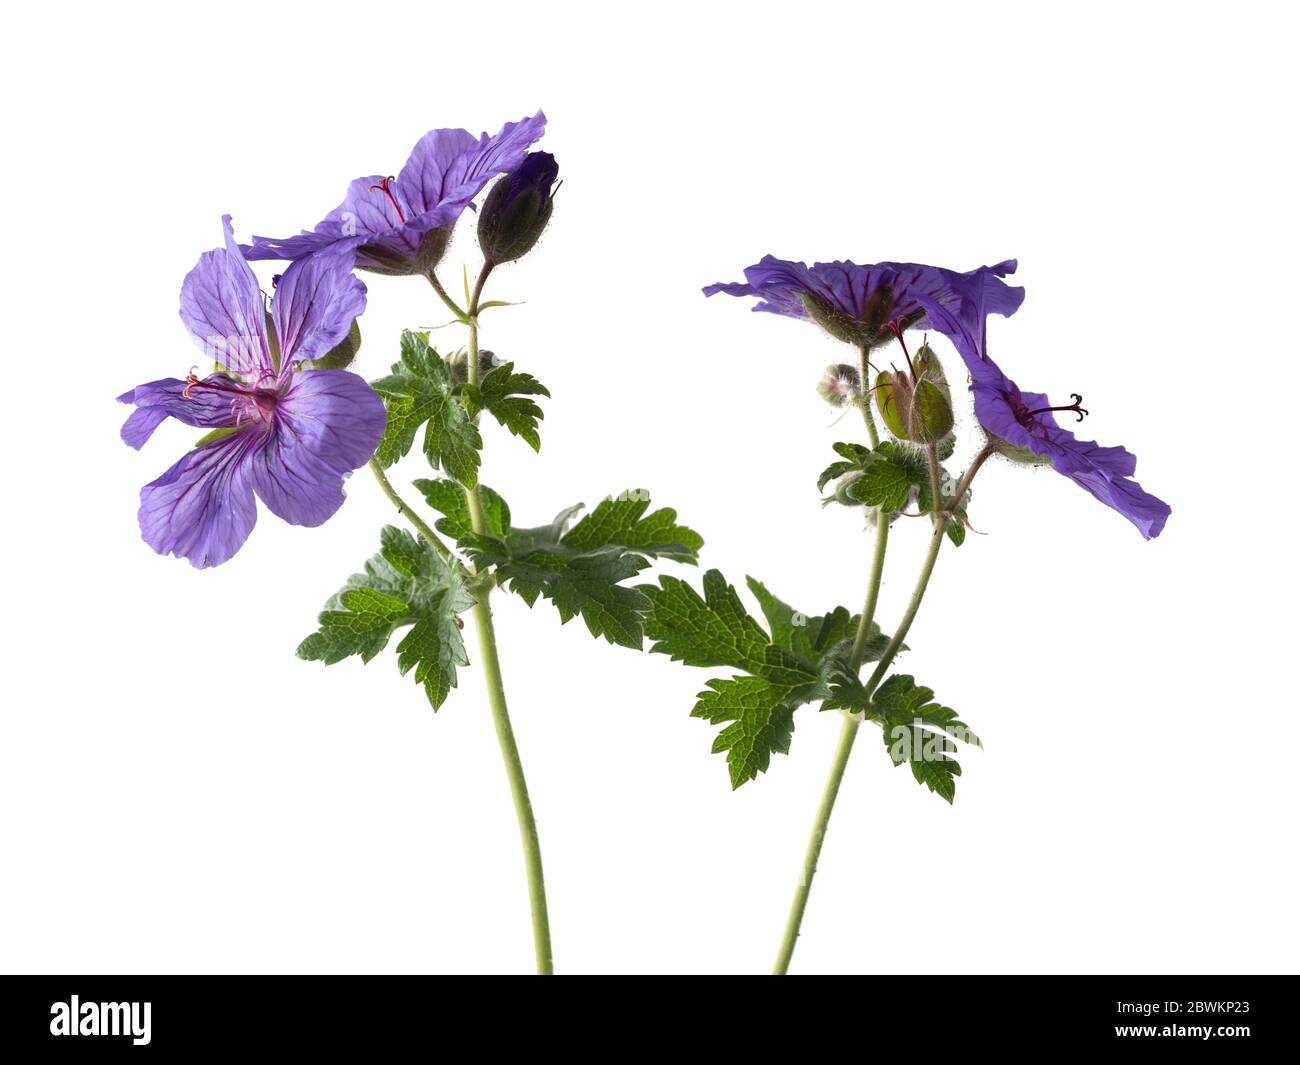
(588, 586)
(783, 670)
(618, 521)
(855, 457)
(407, 583)
(889, 475)
(419, 392)
(713, 630)
(760, 722)
(504, 394)
(920, 732)
(581, 569)
(448, 499)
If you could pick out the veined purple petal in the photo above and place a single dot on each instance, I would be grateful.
(450, 165)
(158, 400)
(221, 306)
(327, 424)
(314, 307)
(202, 509)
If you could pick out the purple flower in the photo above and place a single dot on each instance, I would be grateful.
(870, 305)
(290, 435)
(401, 225)
(1026, 420)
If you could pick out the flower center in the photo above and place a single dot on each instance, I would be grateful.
(244, 402)
(384, 187)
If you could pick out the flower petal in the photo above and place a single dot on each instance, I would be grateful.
(327, 425)
(202, 509)
(314, 306)
(159, 400)
(222, 307)
(1126, 496)
(452, 166)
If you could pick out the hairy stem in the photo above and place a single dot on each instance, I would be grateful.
(405, 510)
(452, 305)
(497, 698)
(864, 396)
(936, 493)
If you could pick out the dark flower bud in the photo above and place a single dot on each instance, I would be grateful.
(840, 385)
(517, 209)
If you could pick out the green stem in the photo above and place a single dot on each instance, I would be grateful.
(848, 733)
(405, 510)
(873, 593)
(487, 642)
(936, 496)
(864, 396)
(452, 305)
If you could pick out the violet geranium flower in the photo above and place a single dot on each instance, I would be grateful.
(1026, 420)
(401, 225)
(286, 434)
(873, 304)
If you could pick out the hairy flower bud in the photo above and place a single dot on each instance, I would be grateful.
(917, 408)
(840, 384)
(517, 209)
(458, 363)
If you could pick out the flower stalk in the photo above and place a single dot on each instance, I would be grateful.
(491, 660)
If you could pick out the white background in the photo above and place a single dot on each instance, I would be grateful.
(180, 793)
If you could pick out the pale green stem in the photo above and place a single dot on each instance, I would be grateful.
(497, 695)
(405, 510)
(936, 495)
(848, 733)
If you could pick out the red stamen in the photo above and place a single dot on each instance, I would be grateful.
(192, 382)
(383, 187)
